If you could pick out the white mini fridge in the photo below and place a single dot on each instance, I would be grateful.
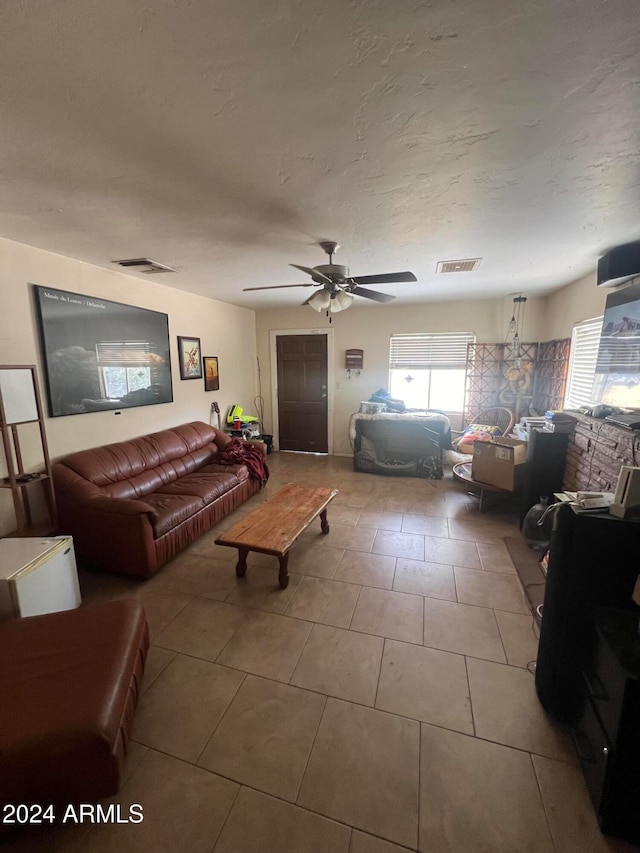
(37, 576)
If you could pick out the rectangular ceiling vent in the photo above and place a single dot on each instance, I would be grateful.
(145, 265)
(464, 265)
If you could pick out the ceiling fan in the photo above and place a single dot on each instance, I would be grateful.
(338, 286)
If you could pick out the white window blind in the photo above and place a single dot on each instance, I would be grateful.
(585, 341)
(430, 352)
(124, 353)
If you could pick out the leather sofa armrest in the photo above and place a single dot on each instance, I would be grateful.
(121, 506)
(221, 439)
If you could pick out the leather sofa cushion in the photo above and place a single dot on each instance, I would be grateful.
(176, 502)
(171, 510)
(206, 486)
(241, 472)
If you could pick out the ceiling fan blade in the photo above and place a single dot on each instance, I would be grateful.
(320, 277)
(278, 286)
(372, 294)
(385, 278)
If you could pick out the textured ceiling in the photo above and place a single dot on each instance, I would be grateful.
(226, 138)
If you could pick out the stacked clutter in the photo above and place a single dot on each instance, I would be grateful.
(522, 429)
(558, 421)
(241, 425)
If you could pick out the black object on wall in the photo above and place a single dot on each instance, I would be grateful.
(620, 264)
(593, 560)
(101, 355)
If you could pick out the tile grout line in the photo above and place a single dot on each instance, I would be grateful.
(295, 666)
(227, 816)
(353, 612)
(306, 764)
(222, 716)
(375, 698)
(542, 800)
(504, 648)
(473, 718)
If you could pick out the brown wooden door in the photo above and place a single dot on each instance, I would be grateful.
(302, 392)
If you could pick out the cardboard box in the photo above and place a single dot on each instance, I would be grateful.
(499, 462)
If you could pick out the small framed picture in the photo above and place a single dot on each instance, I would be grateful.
(211, 377)
(189, 358)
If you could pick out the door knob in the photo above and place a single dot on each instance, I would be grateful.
(322, 396)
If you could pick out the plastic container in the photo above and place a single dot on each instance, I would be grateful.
(538, 535)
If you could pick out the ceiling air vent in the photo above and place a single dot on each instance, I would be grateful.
(464, 265)
(145, 265)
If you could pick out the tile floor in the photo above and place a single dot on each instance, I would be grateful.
(381, 703)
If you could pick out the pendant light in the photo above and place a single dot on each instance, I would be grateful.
(516, 325)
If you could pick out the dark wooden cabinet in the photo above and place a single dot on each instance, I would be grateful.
(588, 666)
(607, 733)
(544, 473)
(593, 561)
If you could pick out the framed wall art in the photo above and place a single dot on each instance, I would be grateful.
(189, 358)
(211, 377)
(101, 355)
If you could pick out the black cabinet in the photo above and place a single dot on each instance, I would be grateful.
(607, 732)
(544, 472)
(593, 561)
(588, 666)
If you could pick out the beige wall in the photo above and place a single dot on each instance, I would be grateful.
(225, 331)
(236, 335)
(369, 329)
(580, 300)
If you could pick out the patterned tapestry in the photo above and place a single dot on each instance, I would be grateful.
(529, 384)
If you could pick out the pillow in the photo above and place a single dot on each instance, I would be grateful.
(476, 432)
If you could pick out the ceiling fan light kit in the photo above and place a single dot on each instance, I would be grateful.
(338, 285)
(341, 301)
(334, 302)
(320, 300)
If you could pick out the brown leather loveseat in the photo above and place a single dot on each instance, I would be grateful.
(133, 505)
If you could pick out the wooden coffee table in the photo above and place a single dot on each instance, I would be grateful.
(274, 527)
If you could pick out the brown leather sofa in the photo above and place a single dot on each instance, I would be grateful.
(70, 683)
(132, 506)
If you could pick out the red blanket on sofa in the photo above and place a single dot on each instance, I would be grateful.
(238, 452)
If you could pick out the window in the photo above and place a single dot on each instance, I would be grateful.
(428, 371)
(124, 367)
(585, 341)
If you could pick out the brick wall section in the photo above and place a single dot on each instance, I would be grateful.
(596, 452)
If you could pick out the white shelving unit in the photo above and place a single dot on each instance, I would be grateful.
(20, 405)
